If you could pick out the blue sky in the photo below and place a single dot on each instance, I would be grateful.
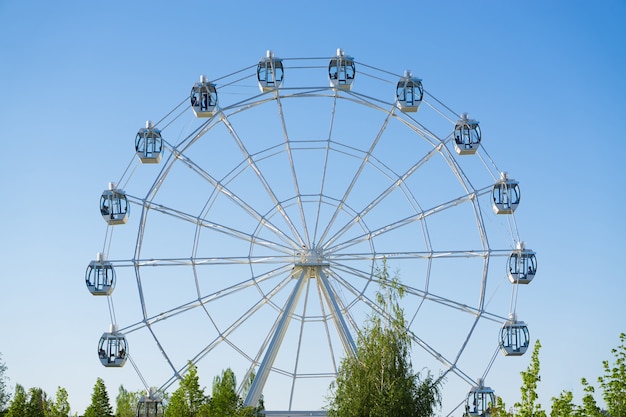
(77, 79)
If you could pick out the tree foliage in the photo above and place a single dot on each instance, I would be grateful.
(100, 404)
(18, 405)
(563, 405)
(126, 402)
(33, 403)
(589, 407)
(529, 405)
(224, 398)
(4, 391)
(38, 404)
(613, 382)
(499, 408)
(378, 380)
(61, 405)
(188, 400)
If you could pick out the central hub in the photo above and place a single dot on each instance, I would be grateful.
(311, 260)
(310, 257)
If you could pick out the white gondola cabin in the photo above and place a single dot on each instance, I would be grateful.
(479, 401)
(149, 144)
(270, 72)
(409, 93)
(341, 71)
(506, 195)
(514, 338)
(466, 136)
(203, 98)
(113, 349)
(150, 406)
(522, 265)
(100, 277)
(114, 206)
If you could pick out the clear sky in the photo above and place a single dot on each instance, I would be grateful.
(77, 79)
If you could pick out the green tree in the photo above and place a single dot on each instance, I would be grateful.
(224, 398)
(499, 409)
(188, 400)
(563, 406)
(4, 391)
(529, 405)
(17, 407)
(100, 404)
(613, 382)
(126, 403)
(378, 380)
(38, 404)
(589, 407)
(61, 405)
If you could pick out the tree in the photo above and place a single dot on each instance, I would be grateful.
(38, 404)
(61, 405)
(562, 406)
(100, 404)
(378, 380)
(613, 382)
(589, 407)
(529, 405)
(188, 400)
(17, 408)
(4, 392)
(499, 409)
(224, 398)
(126, 403)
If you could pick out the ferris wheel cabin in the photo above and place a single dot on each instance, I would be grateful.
(409, 93)
(522, 265)
(113, 349)
(506, 195)
(466, 136)
(514, 338)
(270, 72)
(479, 401)
(114, 206)
(203, 98)
(149, 406)
(341, 71)
(100, 277)
(149, 144)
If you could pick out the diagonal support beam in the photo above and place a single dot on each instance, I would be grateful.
(342, 328)
(256, 389)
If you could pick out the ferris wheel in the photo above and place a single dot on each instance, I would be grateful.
(262, 215)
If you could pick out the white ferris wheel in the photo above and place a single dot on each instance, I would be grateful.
(247, 231)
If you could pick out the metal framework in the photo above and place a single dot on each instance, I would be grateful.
(256, 241)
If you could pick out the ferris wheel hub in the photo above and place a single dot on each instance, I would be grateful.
(311, 257)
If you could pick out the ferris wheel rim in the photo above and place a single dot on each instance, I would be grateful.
(335, 254)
